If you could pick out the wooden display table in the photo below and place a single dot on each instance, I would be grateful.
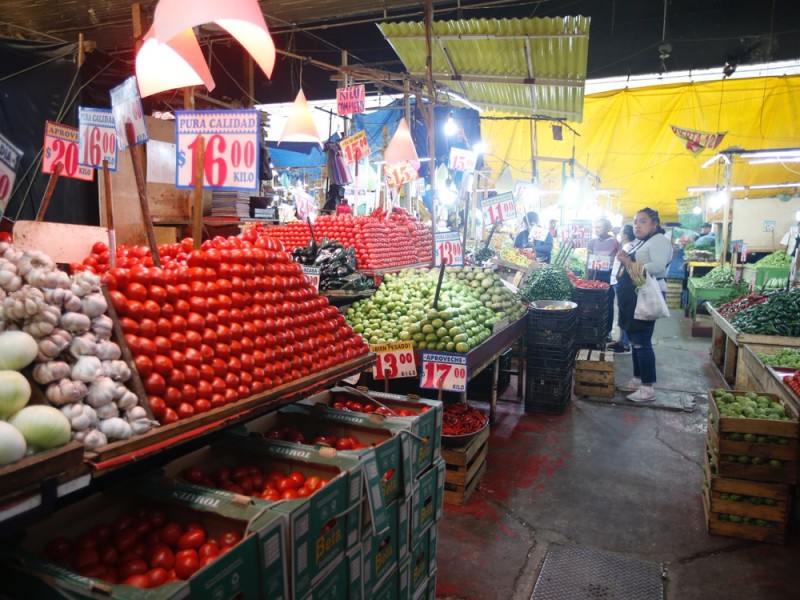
(762, 378)
(727, 349)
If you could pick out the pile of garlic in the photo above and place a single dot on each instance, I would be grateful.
(77, 363)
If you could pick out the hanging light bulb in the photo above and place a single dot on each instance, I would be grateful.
(697, 210)
(300, 126)
(241, 18)
(178, 63)
(450, 127)
(401, 146)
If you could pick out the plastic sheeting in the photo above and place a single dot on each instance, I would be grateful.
(626, 138)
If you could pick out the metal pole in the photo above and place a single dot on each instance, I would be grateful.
(725, 208)
(431, 121)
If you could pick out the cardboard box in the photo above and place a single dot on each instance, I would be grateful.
(426, 425)
(382, 552)
(423, 560)
(240, 573)
(427, 501)
(395, 586)
(323, 526)
(342, 580)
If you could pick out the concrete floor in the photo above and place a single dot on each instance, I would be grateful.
(614, 478)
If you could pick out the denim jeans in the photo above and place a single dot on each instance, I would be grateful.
(644, 359)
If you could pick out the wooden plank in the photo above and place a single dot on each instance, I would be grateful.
(460, 456)
(461, 498)
(37, 467)
(588, 389)
(65, 243)
(594, 376)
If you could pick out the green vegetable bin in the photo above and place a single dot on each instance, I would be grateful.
(758, 276)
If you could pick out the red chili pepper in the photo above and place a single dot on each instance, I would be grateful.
(460, 419)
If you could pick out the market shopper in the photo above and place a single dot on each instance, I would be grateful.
(650, 254)
(602, 251)
(627, 240)
(543, 248)
(788, 242)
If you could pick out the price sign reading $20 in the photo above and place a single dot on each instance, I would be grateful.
(232, 147)
(444, 371)
(393, 360)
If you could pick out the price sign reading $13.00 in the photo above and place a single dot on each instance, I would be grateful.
(232, 147)
(393, 360)
(448, 249)
(444, 370)
(97, 137)
(499, 208)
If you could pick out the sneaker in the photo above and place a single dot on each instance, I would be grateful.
(618, 348)
(645, 393)
(632, 386)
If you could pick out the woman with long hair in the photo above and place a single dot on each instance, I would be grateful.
(650, 254)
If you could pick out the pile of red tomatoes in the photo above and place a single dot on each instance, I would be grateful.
(251, 481)
(230, 320)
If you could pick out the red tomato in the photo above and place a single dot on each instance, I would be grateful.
(170, 533)
(229, 538)
(161, 555)
(132, 567)
(170, 416)
(186, 566)
(209, 549)
(157, 576)
(138, 581)
(193, 538)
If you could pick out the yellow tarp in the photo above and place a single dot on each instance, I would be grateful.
(627, 140)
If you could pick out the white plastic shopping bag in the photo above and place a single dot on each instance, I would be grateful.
(650, 303)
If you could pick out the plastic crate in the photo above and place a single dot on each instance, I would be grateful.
(590, 299)
(563, 334)
(551, 355)
(482, 384)
(554, 406)
(551, 319)
(545, 401)
(548, 385)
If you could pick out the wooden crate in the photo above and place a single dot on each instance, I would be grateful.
(464, 467)
(594, 373)
(718, 500)
(720, 430)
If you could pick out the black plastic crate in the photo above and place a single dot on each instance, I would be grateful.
(556, 353)
(548, 384)
(549, 406)
(587, 299)
(557, 367)
(560, 336)
(551, 319)
(481, 386)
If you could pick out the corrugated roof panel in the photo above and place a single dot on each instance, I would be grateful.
(531, 66)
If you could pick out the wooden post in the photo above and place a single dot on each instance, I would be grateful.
(138, 172)
(197, 198)
(51, 186)
(345, 83)
(112, 234)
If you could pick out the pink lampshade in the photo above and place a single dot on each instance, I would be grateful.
(300, 126)
(241, 18)
(401, 146)
(174, 64)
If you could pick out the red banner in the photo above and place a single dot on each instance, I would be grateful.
(696, 141)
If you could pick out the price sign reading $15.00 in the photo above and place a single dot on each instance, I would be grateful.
(393, 360)
(448, 249)
(355, 147)
(97, 137)
(232, 146)
(499, 208)
(462, 160)
(444, 370)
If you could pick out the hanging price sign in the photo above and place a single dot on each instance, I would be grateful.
(444, 370)
(304, 203)
(9, 162)
(538, 234)
(462, 160)
(97, 138)
(61, 146)
(355, 147)
(350, 100)
(448, 249)
(580, 232)
(498, 208)
(393, 360)
(400, 173)
(312, 275)
(232, 148)
(126, 106)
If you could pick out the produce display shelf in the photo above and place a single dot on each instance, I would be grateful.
(727, 349)
(697, 295)
(395, 269)
(761, 377)
(117, 454)
(758, 276)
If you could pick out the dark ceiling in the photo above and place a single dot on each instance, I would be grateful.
(626, 36)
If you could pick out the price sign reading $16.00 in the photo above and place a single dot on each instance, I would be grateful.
(448, 249)
(232, 147)
(393, 360)
(97, 137)
(499, 208)
(444, 370)
(312, 273)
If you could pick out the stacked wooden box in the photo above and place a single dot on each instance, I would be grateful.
(594, 373)
(464, 467)
(674, 292)
(750, 468)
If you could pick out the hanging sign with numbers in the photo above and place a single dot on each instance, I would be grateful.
(393, 360)
(312, 274)
(232, 148)
(355, 147)
(61, 146)
(399, 173)
(126, 106)
(598, 262)
(580, 232)
(444, 370)
(448, 249)
(97, 138)
(9, 162)
(462, 160)
(498, 208)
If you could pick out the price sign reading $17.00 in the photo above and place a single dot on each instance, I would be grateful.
(393, 360)
(498, 208)
(232, 147)
(448, 249)
(444, 370)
